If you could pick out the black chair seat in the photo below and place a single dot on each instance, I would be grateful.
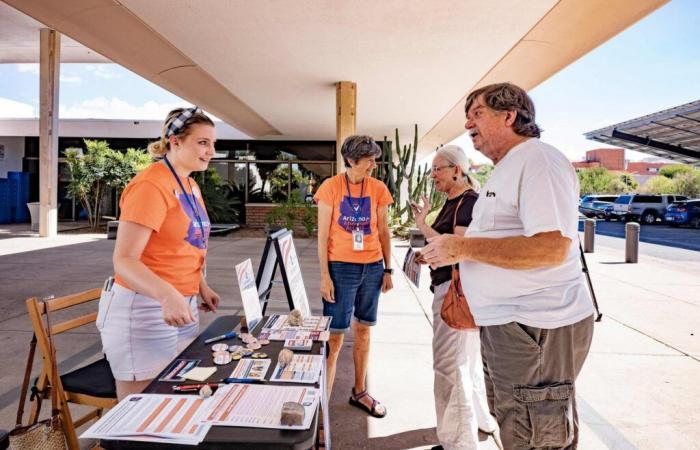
(95, 379)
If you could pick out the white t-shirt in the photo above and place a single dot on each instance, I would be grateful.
(533, 189)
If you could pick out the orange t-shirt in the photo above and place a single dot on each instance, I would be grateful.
(177, 248)
(349, 214)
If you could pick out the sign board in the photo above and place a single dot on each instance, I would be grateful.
(291, 273)
(249, 293)
(280, 252)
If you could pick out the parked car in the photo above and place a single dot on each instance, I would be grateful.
(587, 200)
(684, 213)
(644, 208)
(596, 209)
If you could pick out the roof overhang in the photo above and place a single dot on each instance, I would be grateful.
(19, 41)
(269, 68)
(104, 128)
(673, 134)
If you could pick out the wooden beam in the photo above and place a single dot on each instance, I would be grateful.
(346, 116)
(49, 75)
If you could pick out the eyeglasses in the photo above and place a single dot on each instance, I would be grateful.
(437, 169)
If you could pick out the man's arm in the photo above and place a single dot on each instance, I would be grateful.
(546, 249)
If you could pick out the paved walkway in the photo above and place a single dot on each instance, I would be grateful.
(638, 389)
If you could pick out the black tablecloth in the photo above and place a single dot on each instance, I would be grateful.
(220, 438)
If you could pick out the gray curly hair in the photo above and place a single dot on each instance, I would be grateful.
(509, 97)
(357, 147)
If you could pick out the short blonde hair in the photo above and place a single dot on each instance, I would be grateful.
(454, 154)
(161, 147)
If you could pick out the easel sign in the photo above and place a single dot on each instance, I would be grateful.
(291, 273)
(280, 251)
(249, 293)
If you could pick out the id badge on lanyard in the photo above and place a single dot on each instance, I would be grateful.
(358, 240)
(358, 237)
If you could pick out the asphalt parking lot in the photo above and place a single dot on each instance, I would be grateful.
(686, 238)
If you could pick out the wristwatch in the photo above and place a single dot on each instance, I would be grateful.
(389, 271)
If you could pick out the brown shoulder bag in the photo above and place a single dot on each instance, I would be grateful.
(455, 310)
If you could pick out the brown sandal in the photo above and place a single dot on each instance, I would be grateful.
(372, 411)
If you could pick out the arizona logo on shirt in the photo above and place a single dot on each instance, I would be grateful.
(195, 236)
(356, 214)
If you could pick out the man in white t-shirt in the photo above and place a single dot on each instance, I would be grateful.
(521, 273)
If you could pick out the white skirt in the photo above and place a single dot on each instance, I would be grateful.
(135, 338)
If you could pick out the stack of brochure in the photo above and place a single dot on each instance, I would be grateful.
(170, 419)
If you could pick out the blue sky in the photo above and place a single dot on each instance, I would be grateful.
(653, 65)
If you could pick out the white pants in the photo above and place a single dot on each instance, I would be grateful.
(460, 393)
(135, 338)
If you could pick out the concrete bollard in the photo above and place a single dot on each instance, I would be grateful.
(631, 242)
(588, 235)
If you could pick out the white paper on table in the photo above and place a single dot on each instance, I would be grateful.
(154, 418)
(253, 369)
(302, 369)
(249, 293)
(259, 405)
(200, 373)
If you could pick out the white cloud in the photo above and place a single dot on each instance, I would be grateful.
(28, 68)
(71, 79)
(105, 71)
(10, 109)
(115, 108)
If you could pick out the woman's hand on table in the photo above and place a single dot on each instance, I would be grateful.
(327, 289)
(210, 299)
(387, 282)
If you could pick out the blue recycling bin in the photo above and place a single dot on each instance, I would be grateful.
(19, 195)
(5, 209)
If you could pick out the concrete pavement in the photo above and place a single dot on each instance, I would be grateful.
(637, 390)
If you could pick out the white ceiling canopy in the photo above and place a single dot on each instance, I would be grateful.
(19, 41)
(268, 67)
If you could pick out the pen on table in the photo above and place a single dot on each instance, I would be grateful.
(242, 380)
(194, 387)
(229, 335)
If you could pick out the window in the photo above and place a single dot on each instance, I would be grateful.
(306, 179)
(624, 199)
(647, 199)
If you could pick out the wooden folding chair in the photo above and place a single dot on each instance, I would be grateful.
(91, 385)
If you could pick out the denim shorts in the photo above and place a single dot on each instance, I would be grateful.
(135, 338)
(356, 286)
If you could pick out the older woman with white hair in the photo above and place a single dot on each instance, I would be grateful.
(460, 394)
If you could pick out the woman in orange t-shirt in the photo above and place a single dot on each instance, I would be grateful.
(150, 313)
(354, 251)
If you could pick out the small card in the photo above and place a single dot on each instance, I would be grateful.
(177, 370)
(251, 369)
(200, 373)
(299, 344)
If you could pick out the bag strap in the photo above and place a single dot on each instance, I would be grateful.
(54, 368)
(454, 218)
(25, 381)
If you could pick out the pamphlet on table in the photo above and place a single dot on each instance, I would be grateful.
(172, 419)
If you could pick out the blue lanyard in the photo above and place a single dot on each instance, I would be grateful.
(195, 207)
(360, 201)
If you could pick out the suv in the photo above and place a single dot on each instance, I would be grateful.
(644, 208)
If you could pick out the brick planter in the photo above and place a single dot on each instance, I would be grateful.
(255, 214)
